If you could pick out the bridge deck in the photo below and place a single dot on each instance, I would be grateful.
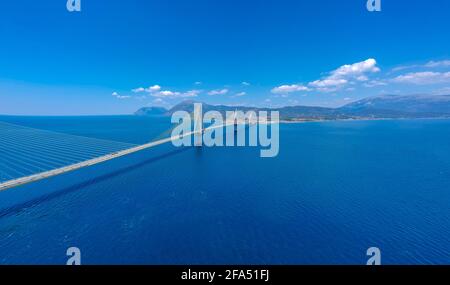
(72, 167)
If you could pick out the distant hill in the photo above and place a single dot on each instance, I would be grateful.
(385, 106)
(415, 106)
(151, 111)
(291, 112)
(188, 106)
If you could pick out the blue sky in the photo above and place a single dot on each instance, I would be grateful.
(116, 56)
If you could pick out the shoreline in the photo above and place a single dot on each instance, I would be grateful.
(362, 119)
(295, 121)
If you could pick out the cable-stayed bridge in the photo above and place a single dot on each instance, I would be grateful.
(28, 155)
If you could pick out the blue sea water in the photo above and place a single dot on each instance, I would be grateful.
(334, 190)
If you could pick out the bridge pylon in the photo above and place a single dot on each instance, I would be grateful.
(198, 125)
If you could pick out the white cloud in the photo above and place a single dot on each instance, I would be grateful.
(156, 91)
(191, 93)
(403, 67)
(154, 88)
(245, 83)
(167, 93)
(118, 96)
(138, 90)
(218, 92)
(430, 64)
(373, 83)
(151, 89)
(345, 74)
(423, 78)
(356, 69)
(240, 94)
(328, 82)
(198, 83)
(442, 63)
(289, 89)
(176, 94)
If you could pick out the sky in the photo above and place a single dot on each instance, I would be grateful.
(114, 56)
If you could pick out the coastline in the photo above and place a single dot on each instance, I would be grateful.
(283, 121)
(361, 119)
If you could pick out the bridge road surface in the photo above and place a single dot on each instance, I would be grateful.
(58, 171)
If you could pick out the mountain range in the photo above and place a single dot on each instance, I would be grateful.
(384, 106)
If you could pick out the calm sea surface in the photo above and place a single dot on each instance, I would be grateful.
(336, 189)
